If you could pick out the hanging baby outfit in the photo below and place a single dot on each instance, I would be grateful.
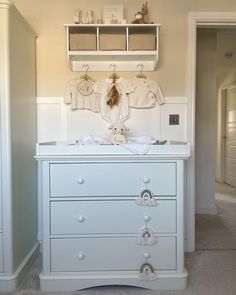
(119, 112)
(147, 93)
(79, 101)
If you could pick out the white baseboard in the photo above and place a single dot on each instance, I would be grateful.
(188, 248)
(9, 283)
(210, 211)
(40, 236)
(64, 282)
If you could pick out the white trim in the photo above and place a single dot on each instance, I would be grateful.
(210, 211)
(216, 25)
(176, 99)
(49, 100)
(213, 18)
(228, 138)
(197, 19)
(6, 4)
(6, 148)
(68, 283)
(9, 283)
(228, 86)
(221, 129)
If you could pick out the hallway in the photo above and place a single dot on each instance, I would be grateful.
(218, 232)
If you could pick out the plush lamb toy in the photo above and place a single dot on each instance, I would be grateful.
(118, 133)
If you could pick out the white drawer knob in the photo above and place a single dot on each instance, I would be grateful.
(146, 255)
(146, 218)
(146, 180)
(81, 219)
(80, 180)
(81, 256)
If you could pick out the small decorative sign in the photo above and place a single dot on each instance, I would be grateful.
(113, 14)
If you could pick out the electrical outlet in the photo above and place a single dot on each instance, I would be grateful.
(174, 119)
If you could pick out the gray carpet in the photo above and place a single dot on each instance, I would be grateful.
(212, 267)
(218, 232)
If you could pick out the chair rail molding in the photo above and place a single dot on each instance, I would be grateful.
(196, 20)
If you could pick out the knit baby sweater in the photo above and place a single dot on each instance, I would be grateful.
(78, 101)
(146, 94)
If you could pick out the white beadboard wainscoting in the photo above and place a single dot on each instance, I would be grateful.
(55, 121)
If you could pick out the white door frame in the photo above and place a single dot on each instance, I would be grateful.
(232, 86)
(195, 20)
(221, 134)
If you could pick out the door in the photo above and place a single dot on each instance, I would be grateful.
(230, 159)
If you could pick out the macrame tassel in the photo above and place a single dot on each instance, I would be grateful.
(146, 198)
(147, 273)
(147, 237)
(114, 96)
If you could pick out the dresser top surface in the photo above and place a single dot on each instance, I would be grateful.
(63, 149)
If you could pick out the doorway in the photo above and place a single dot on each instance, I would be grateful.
(215, 138)
(215, 134)
(197, 20)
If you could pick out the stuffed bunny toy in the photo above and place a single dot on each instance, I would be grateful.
(118, 133)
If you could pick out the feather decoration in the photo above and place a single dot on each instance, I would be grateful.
(113, 96)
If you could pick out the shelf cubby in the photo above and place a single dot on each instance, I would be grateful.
(125, 45)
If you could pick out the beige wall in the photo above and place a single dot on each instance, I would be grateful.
(206, 106)
(48, 16)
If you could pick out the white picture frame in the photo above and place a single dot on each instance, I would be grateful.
(113, 14)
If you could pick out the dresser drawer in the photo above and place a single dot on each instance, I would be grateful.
(1, 254)
(121, 253)
(81, 217)
(112, 179)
